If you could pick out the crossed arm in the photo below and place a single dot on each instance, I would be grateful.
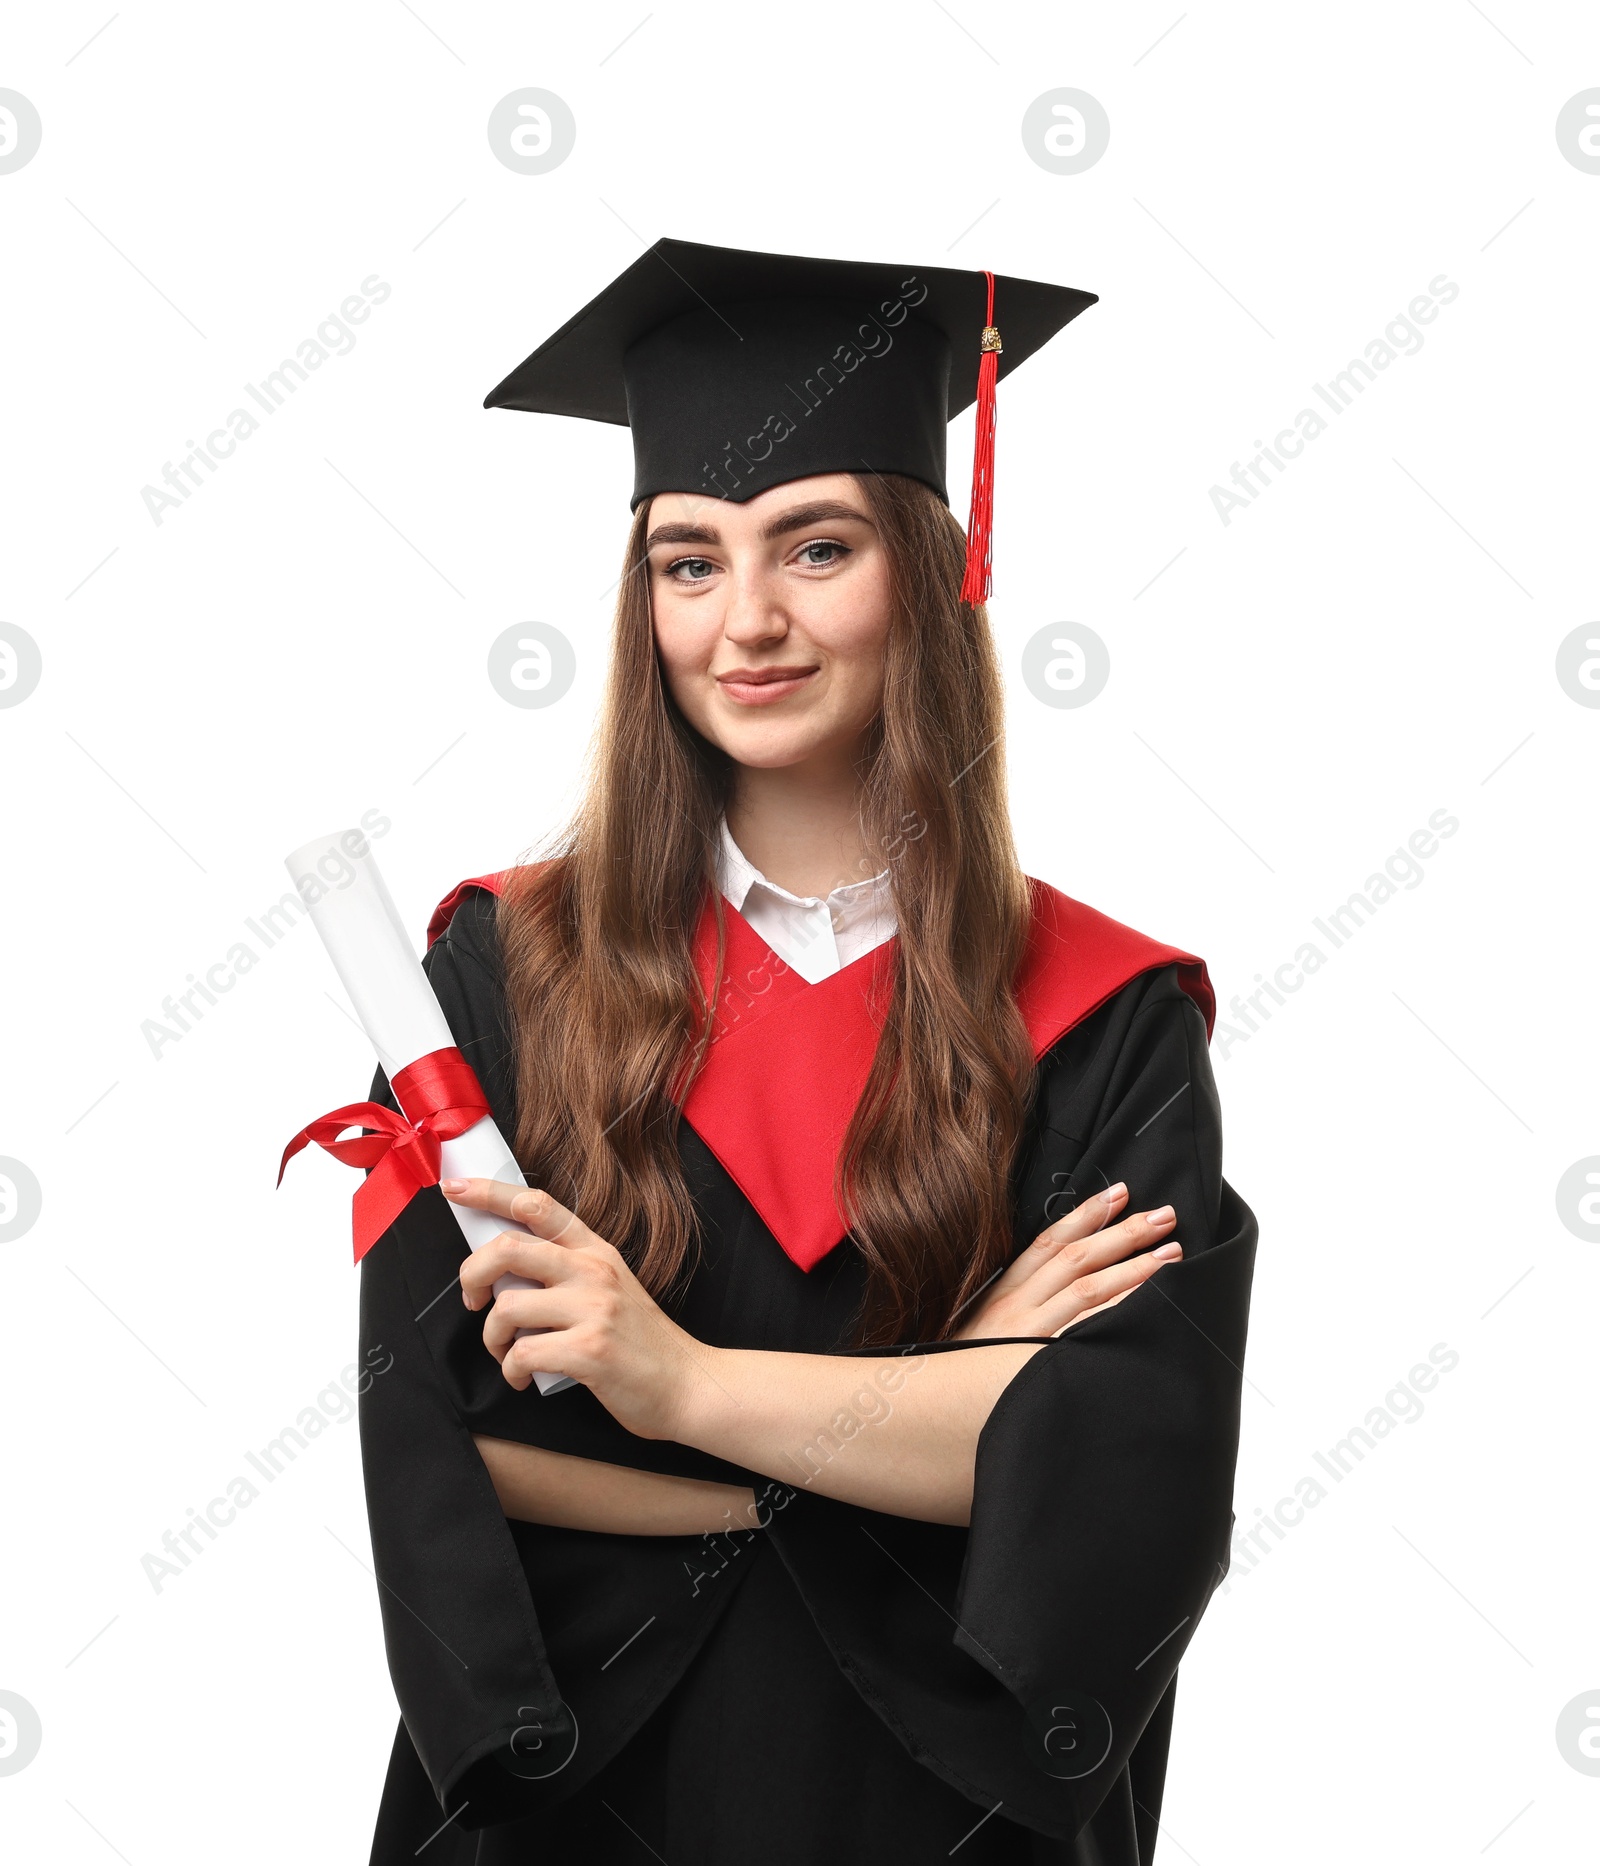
(889, 1433)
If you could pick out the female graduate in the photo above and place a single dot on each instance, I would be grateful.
(896, 1474)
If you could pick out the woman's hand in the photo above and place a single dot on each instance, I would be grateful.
(603, 1328)
(1082, 1264)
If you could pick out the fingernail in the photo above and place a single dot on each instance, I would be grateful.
(1162, 1215)
(452, 1185)
(1113, 1193)
(1168, 1253)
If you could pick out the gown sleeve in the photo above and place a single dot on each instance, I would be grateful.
(522, 1656)
(466, 1654)
(1030, 1659)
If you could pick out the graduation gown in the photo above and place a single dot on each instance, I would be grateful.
(839, 1684)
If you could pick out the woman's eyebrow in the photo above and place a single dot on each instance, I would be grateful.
(797, 518)
(802, 517)
(681, 534)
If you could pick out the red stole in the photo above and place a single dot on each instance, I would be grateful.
(788, 1060)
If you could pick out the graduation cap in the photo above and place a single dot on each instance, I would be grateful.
(739, 371)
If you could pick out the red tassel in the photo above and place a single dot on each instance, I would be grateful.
(975, 585)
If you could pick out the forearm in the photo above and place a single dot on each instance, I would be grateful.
(539, 1486)
(897, 1434)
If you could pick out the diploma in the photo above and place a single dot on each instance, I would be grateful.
(337, 879)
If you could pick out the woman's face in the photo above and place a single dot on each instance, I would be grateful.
(771, 617)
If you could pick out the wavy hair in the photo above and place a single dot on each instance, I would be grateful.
(609, 1019)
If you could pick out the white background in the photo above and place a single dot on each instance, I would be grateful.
(1372, 640)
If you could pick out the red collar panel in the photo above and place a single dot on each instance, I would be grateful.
(788, 1061)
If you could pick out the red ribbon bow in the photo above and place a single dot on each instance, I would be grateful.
(441, 1097)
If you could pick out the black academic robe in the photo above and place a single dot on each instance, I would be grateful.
(841, 1684)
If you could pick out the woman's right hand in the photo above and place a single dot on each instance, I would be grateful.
(1082, 1264)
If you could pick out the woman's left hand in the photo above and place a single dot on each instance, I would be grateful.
(1084, 1263)
(604, 1329)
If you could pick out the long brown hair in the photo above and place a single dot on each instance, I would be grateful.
(609, 1018)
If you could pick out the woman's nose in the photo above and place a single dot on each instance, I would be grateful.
(754, 612)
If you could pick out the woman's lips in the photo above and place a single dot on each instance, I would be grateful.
(764, 686)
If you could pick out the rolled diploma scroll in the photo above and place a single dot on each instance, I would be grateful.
(372, 953)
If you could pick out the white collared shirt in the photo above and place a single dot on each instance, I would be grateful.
(817, 937)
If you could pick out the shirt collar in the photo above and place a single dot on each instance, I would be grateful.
(737, 876)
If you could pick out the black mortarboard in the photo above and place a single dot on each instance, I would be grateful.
(739, 371)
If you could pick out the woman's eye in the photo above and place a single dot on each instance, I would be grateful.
(821, 551)
(691, 569)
